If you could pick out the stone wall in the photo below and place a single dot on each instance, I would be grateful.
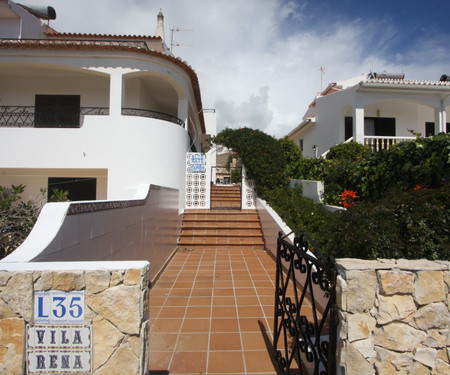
(116, 309)
(394, 317)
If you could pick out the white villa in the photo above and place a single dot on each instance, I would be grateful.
(376, 109)
(98, 115)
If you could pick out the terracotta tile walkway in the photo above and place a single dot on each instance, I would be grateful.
(211, 312)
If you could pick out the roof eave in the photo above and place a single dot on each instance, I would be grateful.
(23, 43)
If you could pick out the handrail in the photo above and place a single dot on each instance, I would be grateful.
(24, 116)
(152, 114)
(377, 143)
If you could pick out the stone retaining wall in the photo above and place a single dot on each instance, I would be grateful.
(394, 317)
(116, 309)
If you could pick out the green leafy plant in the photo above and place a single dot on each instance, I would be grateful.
(408, 224)
(17, 218)
(59, 195)
(260, 153)
(348, 151)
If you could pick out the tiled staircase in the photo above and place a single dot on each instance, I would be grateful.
(221, 229)
(226, 197)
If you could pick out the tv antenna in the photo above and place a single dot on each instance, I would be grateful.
(175, 43)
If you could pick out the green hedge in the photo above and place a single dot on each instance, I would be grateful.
(410, 224)
(403, 205)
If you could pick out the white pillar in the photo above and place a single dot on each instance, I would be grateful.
(358, 125)
(115, 94)
(183, 111)
(443, 124)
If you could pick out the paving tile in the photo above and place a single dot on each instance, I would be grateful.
(200, 301)
(225, 363)
(224, 325)
(189, 362)
(195, 325)
(188, 342)
(223, 292)
(172, 312)
(176, 301)
(258, 361)
(224, 312)
(250, 311)
(162, 342)
(165, 325)
(245, 291)
(198, 312)
(225, 341)
(254, 341)
(179, 293)
(159, 360)
(224, 301)
(202, 292)
(252, 324)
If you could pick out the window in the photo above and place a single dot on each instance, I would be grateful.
(57, 111)
(429, 129)
(79, 188)
(348, 127)
(375, 126)
(300, 143)
(381, 126)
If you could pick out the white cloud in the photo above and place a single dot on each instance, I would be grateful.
(257, 61)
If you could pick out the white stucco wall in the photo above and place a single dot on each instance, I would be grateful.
(133, 150)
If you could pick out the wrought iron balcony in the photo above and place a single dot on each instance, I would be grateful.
(25, 116)
(152, 114)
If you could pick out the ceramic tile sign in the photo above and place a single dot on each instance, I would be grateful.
(198, 163)
(59, 342)
(56, 307)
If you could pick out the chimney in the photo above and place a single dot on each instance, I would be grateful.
(160, 26)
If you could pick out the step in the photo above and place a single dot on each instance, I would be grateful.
(221, 229)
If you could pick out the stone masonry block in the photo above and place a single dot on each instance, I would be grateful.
(395, 282)
(429, 287)
(396, 307)
(361, 288)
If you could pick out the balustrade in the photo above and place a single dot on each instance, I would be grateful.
(378, 143)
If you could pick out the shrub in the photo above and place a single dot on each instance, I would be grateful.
(298, 212)
(17, 218)
(313, 169)
(293, 157)
(348, 151)
(409, 224)
(260, 153)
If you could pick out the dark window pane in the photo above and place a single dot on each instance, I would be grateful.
(348, 127)
(79, 188)
(57, 111)
(429, 129)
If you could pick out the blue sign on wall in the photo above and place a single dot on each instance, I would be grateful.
(198, 163)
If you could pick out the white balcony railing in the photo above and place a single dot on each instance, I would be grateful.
(378, 143)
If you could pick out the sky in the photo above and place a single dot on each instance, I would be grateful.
(259, 61)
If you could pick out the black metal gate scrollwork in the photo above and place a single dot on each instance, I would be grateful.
(305, 309)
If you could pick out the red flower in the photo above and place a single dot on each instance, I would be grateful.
(347, 198)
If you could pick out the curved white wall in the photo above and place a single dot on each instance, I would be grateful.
(134, 150)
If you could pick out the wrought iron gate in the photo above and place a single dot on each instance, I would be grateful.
(305, 309)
